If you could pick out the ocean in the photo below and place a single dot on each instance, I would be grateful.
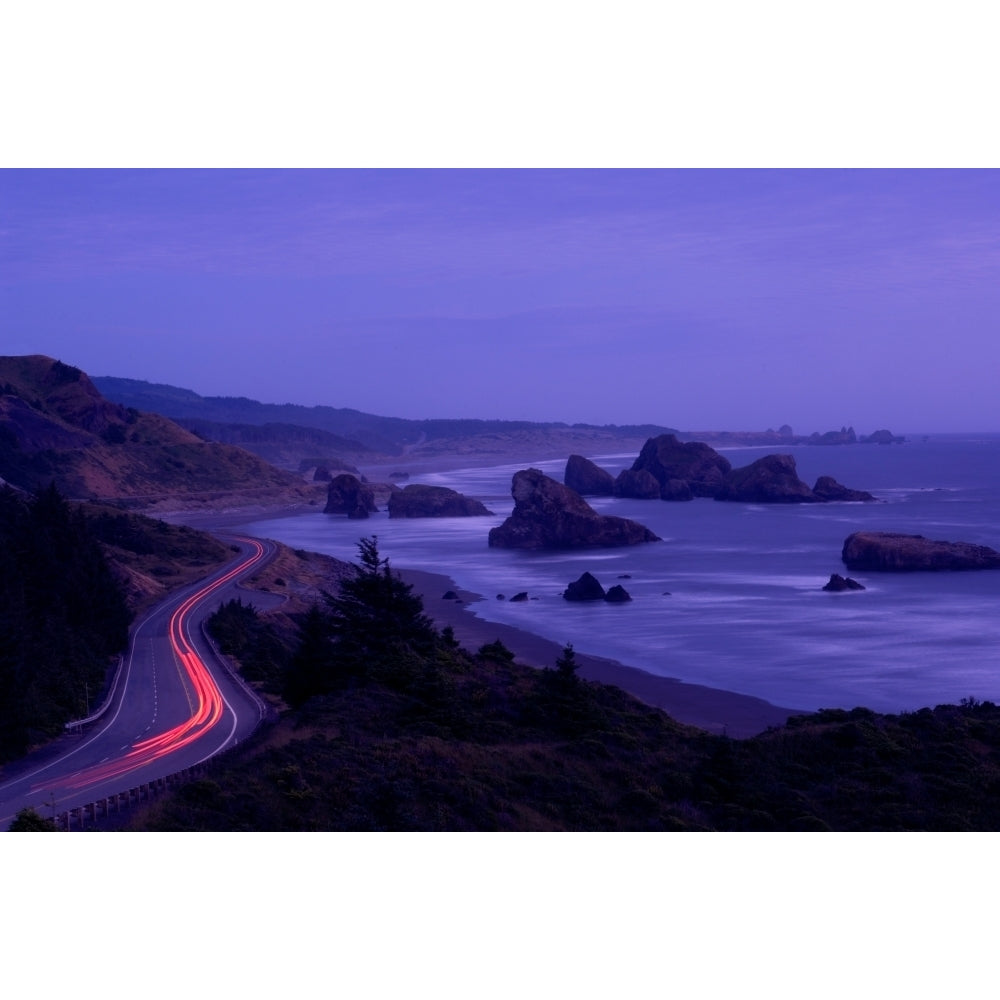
(732, 597)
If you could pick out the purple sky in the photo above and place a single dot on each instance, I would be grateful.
(700, 299)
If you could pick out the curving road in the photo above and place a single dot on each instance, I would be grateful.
(175, 705)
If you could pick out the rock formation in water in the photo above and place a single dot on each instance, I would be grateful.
(882, 437)
(586, 588)
(418, 500)
(888, 552)
(838, 583)
(828, 489)
(618, 595)
(588, 479)
(673, 470)
(548, 514)
(638, 484)
(665, 459)
(845, 435)
(771, 479)
(774, 479)
(346, 494)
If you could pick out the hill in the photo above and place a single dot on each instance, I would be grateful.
(56, 427)
(363, 438)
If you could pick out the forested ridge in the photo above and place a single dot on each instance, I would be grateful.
(63, 618)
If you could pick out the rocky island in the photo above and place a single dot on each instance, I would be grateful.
(681, 470)
(771, 479)
(418, 500)
(548, 514)
(774, 479)
(690, 468)
(888, 552)
(346, 494)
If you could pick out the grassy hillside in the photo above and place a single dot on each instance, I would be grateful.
(56, 427)
(150, 557)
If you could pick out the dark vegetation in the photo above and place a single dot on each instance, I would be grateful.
(72, 576)
(63, 617)
(392, 726)
(29, 820)
(261, 646)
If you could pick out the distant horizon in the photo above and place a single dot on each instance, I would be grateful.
(659, 423)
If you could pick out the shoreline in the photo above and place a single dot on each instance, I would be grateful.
(713, 709)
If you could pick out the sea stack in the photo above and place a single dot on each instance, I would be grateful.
(548, 514)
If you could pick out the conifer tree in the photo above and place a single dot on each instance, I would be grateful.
(311, 670)
(566, 665)
(376, 615)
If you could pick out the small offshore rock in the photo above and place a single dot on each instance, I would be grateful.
(522, 596)
(838, 583)
(617, 595)
(586, 588)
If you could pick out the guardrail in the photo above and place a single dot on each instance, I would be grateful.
(94, 716)
(114, 805)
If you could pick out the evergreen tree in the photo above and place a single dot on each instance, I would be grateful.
(566, 665)
(376, 616)
(311, 671)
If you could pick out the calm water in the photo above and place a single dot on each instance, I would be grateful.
(732, 596)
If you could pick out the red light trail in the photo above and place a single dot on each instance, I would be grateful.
(209, 703)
